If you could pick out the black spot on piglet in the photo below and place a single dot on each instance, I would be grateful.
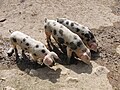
(24, 40)
(43, 51)
(25, 48)
(91, 35)
(54, 32)
(87, 35)
(73, 46)
(79, 44)
(37, 46)
(72, 24)
(27, 44)
(67, 23)
(61, 32)
(60, 40)
(77, 29)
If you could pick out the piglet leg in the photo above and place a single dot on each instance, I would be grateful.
(16, 52)
(69, 54)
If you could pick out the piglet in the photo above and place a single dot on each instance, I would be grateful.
(64, 36)
(84, 32)
(37, 49)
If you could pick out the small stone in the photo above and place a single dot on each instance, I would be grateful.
(71, 79)
(64, 72)
(8, 88)
(3, 78)
(100, 70)
(116, 63)
(33, 72)
(27, 70)
(2, 19)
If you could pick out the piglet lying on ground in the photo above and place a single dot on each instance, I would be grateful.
(37, 49)
(85, 34)
(64, 36)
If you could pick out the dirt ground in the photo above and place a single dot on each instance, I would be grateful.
(101, 16)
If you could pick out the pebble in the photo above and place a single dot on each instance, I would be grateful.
(64, 72)
(2, 19)
(3, 78)
(33, 72)
(100, 70)
(71, 79)
(27, 70)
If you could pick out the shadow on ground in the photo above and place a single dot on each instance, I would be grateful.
(43, 72)
(35, 69)
(108, 39)
(75, 64)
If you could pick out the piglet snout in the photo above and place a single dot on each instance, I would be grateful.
(47, 61)
(86, 57)
(93, 46)
(53, 64)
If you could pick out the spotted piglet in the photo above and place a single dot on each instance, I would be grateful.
(85, 34)
(37, 49)
(64, 36)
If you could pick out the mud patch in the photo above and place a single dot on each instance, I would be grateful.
(108, 40)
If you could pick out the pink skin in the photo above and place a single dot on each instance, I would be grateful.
(93, 46)
(47, 61)
(86, 58)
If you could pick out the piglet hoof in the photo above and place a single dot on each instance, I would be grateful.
(9, 54)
